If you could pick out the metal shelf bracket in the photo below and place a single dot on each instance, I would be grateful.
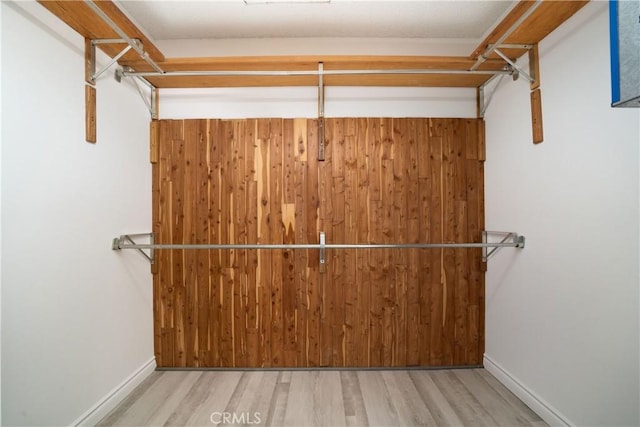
(514, 239)
(132, 43)
(126, 241)
(95, 74)
(515, 70)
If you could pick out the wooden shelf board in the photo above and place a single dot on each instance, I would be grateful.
(546, 18)
(429, 80)
(310, 63)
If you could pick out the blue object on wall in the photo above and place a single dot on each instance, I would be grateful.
(615, 52)
(624, 30)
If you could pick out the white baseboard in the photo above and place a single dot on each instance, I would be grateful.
(549, 414)
(117, 395)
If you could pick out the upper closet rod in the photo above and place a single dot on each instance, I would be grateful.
(508, 70)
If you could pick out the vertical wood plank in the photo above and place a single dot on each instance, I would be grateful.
(157, 104)
(190, 186)
(325, 211)
(240, 289)
(427, 200)
(313, 260)
(363, 270)
(252, 319)
(153, 142)
(158, 288)
(301, 270)
(536, 116)
(227, 224)
(387, 284)
(89, 58)
(202, 225)
(351, 295)
(412, 236)
(337, 283)
(437, 277)
(450, 156)
(377, 257)
(534, 67)
(263, 175)
(177, 236)
(289, 294)
(276, 227)
(253, 304)
(216, 148)
(90, 125)
(482, 149)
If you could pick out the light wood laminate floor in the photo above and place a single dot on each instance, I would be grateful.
(454, 397)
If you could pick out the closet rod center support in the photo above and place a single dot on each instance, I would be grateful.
(322, 248)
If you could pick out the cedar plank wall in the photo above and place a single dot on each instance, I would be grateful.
(383, 181)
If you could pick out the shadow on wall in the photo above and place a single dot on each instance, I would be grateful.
(46, 28)
(499, 267)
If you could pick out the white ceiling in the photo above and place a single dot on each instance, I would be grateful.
(233, 19)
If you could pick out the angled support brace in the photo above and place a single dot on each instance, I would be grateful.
(152, 101)
(509, 238)
(97, 74)
(92, 74)
(484, 99)
(127, 240)
(513, 64)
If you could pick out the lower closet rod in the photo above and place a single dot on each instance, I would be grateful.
(512, 240)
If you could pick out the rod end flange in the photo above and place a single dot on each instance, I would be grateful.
(115, 245)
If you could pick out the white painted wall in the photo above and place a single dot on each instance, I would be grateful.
(315, 46)
(562, 324)
(0, 219)
(76, 316)
(291, 102)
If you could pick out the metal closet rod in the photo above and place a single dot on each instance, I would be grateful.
(309, 72)
(119, 243)
(510, 239)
